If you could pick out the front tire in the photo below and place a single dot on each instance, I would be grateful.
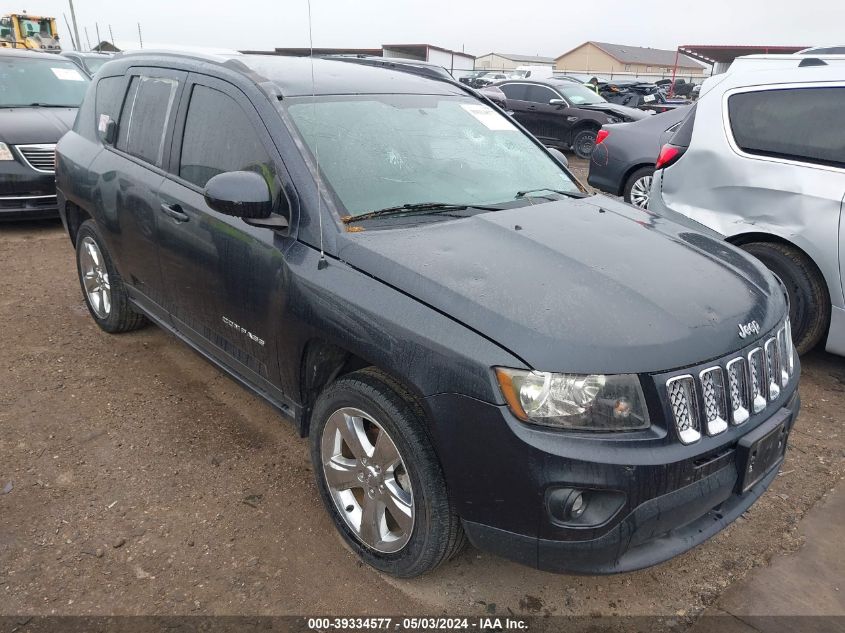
(584, 142)
(102, 287)
(379, 477)
(809, 301)
(638, 187)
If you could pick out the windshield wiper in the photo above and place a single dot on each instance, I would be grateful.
(48, 105)
(419, 208)
(569, 194)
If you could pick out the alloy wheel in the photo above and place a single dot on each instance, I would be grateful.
(640, 192)
(95, 277)
(367, 479)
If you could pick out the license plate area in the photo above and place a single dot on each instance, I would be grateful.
(762, 449)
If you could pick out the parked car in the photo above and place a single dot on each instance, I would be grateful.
(488, 79)
(472, 344)
(639, 94)
(680, 87)
(761, 159)
(39, 96)
(470, 77)
(622, 163)
(89, 63)
(562, 113)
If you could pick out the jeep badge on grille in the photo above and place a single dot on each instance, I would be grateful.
(748, 328)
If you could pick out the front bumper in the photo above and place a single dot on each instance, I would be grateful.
(26, 194)
(499, 473)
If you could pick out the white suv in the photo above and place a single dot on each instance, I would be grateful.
(761, 160)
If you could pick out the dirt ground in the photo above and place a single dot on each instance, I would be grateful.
(135, 478)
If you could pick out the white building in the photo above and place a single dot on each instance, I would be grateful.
(506, 61)
(455, 62)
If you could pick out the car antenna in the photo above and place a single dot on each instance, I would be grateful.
(323, 263)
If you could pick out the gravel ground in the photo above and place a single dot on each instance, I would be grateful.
(135, 478)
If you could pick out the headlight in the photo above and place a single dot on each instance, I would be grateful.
(5, 152)
(614, 119)
(594, 402)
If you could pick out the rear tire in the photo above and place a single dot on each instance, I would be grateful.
(102, 287)
(809, 300)
(638, 187)
(584, 142)
(356, 480)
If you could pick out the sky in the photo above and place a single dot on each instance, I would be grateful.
(528, 27)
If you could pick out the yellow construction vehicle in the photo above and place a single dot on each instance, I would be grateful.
(19, 30)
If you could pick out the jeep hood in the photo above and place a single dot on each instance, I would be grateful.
(588, 285)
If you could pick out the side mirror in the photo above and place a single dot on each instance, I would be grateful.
(241, 194)
(557, 102)
(559, 156)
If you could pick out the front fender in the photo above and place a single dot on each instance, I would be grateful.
(430, 352)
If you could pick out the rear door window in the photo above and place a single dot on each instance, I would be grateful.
(233, 145)
(801, 124)
(146, 116)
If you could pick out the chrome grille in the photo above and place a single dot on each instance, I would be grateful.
(732, 392)
(40, 157)
(684, 407)
(772, 367)
(757, 382)
(715, 406)
(738, 386)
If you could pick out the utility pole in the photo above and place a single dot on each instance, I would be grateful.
(70, 33)
(75, 27)
(87, 39)
(140, 39)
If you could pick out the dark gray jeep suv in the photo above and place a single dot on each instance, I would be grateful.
(473, 344)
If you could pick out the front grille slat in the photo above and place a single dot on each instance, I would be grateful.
(757, 379)
(738, 385)
(715, 401)
(40, 157)
(684, 405)
(783, 355)
(772, 368)
(731, 393)
(790, 349)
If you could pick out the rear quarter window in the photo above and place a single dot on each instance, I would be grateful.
(801, 124)
(110, 92)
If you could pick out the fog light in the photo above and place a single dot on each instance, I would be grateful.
(571, 507)
(567, 503)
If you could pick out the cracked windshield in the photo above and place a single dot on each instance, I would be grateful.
(385, 151)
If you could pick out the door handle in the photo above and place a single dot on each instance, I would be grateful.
(175, 211)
